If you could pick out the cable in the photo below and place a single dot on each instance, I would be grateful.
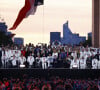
(43, 22)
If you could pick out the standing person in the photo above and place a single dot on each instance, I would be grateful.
(17, 55)
(4, 58)
(10, 52)
(82, 53)
(0, 57)
(30, 60)
(89, 62)
(99, 64)
(55, 53)
(55, 61)
(74, 64)
(23, 52)
(38, 63)
(22, 60)
(60, 62)
(50, 60)
(44, 62)
(74, 54)
(94, 63)
(67, 62)
(98, 55)
(62, 54)
(82, 63)
(14, 61)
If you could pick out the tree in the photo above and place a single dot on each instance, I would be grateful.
(5, 39)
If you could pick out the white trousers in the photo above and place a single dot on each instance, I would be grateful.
(94, 67)
(44, 65)
(82, 66)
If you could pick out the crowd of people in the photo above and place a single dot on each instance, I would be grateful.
(49, 56)
(53, 83)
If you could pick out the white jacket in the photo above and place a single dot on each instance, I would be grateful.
(74, 64)
(82, 63)
(94, 63)
(30, 60)
(22, 60)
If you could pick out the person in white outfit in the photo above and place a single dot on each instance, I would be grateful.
(30, 60)
(7, 54)
(82, 53)
(99, 64)
(74, 54)
(44, 62)
(49, 60)
(82, 63)
(11, 52)
(22, 60)
(38, 61)
(55, 53)
(94, 63)
(14, 61)
(17, 53)
(4, 59)
(74, 64)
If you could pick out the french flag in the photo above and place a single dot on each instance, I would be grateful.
(28, 9)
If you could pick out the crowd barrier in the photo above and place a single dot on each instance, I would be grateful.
(61, 72)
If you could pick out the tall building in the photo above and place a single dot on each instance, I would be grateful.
(90, 35)
(69, 37)
(19, 41)
(89, 40)
(96, 23)
(55, 36)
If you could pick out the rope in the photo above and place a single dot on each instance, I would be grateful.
(0, 14)
(43, 22)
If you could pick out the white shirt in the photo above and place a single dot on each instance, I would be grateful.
(11, 53)
(30, 60)
(17, 53)
(82, 54)
(74, 63)
(50, 58)
(7, 54)
(74, 54)
(39, 59)
(22, 60)
(44, 59)
(99, 64)
(4, 57)
(55, 54)
(14, 60)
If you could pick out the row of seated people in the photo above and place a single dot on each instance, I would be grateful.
(51, 83)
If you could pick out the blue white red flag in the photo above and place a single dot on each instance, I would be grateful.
(28, 9)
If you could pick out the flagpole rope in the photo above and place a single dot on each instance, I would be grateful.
(43, 22)
(0, 14)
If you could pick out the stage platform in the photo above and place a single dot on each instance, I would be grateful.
(68, 73)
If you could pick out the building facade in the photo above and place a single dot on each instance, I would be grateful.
(55, 36)
(96, 23)
(19, 41)
(90, 35)
(69, 37)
